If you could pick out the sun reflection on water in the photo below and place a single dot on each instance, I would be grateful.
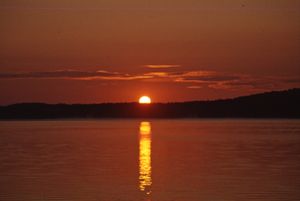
(145, 158)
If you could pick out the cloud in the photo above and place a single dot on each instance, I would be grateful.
(72, 74)
(158, 74)
(194, 87)
(190, 79)
(256, 83)
(232, 81)
(56, 74)
(205, 76)
(162, 66)
(293, 80)
(211, 78)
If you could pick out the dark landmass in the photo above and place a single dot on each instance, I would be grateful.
(279, 104)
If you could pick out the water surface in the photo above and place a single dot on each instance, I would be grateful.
(153, 160)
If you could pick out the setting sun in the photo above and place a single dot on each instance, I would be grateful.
(145, 100)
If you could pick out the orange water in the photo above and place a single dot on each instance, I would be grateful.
(154, 160)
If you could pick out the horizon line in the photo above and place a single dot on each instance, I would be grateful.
(136, 102)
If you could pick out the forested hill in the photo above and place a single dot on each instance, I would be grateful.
(278, 104)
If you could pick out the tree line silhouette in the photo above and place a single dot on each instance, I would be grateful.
(277, 104)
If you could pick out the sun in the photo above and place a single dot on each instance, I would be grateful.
(145, 100)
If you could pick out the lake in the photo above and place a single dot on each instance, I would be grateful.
(150, 160)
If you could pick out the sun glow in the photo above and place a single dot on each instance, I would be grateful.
(145, 100)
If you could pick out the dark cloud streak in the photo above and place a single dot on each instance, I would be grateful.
(210, 79)
(56, 74)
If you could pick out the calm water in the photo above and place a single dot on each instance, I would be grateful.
(155, 160)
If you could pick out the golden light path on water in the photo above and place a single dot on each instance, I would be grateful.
(145, 180)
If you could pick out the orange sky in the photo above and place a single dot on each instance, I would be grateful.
(114, 51)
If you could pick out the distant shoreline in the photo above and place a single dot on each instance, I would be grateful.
(270, 105)
(151, 119)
